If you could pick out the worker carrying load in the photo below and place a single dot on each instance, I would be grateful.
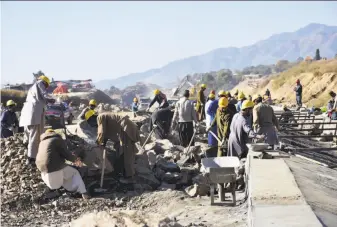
(9, 120)
(92, 106)
(201, 101)
(50, 161)
(223, 120)
(265, 121)
(134, 107)
(185, 114)
(124, 133)
(332, 106)
(160, 98)
(33, 115)
(241, 98)
(240, 132)
(298, 91)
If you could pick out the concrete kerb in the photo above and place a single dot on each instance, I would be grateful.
(273, 195)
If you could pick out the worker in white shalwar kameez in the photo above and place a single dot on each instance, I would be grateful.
(32, 115)
(55, 172)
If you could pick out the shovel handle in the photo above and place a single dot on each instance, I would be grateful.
(189, 145)
(148, 137)
(103, 167)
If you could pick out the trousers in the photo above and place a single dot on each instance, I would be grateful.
(68, 178)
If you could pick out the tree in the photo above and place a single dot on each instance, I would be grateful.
(317, 56)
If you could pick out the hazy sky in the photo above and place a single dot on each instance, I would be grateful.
(101, 40)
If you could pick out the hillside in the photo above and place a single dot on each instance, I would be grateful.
(317, 78)
(288, 46)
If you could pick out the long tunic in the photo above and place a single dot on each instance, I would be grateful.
(265, 121)
(240, 132)
(223, 121)
(200, 101)
(208, 116)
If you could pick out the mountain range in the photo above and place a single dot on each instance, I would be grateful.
(287, 46)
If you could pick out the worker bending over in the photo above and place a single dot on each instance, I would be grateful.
(287, 116)
(223, 120)
(163, 119)
(33, 115)
(201, 101)
(241, 131)
(134, 107)
(92, 106)
(332, 106)
(124, 133)
(160, 98)
(55, 173)
(265, 121)
(9, 120)
(185, 114)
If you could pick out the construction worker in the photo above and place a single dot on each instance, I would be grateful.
(287, 116)
(9, 120)
(265, 121)
(185, 114)
(223, 120)
(231, 99)
(162, 118)
(298, 91)
(268, 93)
(241, 98)
(50, 161)
(240, 132)
(92, 106)
(160, 98)
(32, 115)
(134, 107)
(332, 106)
(211, 92)
(212, 142)
(212, 108)
(124, 133)
(201, 100)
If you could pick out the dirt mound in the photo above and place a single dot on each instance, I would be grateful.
(317, 79)
(84, 97)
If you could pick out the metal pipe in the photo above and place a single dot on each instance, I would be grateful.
(304, 130)
(310, 123)
(305, 136)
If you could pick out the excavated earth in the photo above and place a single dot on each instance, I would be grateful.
(163, 195)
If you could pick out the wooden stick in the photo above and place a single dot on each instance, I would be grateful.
(103, 167)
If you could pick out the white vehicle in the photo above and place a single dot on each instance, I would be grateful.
(144, 103)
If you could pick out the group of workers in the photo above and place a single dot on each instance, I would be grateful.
(231, 123)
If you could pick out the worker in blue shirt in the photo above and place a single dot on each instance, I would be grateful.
(9, 120)
(134, 107)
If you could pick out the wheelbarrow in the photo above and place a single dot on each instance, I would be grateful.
(221, 171)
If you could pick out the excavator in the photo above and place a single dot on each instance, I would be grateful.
(186, 83)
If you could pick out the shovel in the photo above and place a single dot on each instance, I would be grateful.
(141, 149)
(103, 167)
(182, 161)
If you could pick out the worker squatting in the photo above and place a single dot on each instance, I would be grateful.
(231, 123)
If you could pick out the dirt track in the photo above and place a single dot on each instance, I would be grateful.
(319, 187)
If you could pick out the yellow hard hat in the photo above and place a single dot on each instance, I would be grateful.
(211, 96)
(50, 130)
(135, 99)
(156, 92)
(89, 114)
(241, 95)
(247, 104)
(221, 93)
(256, 97)
(10, 103)
(93, 102)
(223, 102)
(45, 79)
(203, 86)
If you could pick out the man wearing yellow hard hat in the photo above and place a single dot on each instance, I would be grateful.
(241, 131)
(160, 98)
(9, 120)
(201, 101)
(32, 115)
(223, 120)
(265, 121)
(241, 98)
(92, 106)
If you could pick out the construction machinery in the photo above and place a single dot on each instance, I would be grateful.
(187, 83)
